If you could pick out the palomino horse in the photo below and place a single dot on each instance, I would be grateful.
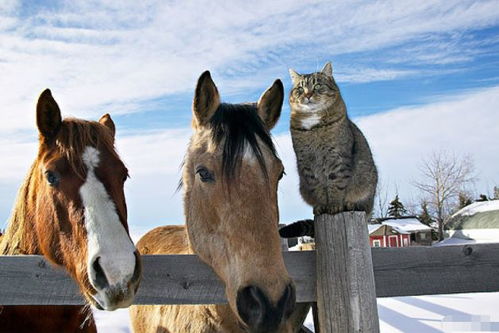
(71, 209)
(230, 177)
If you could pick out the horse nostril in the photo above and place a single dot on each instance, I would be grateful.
(99, 278)
(286, 304)
(257, 311)
(252, 305)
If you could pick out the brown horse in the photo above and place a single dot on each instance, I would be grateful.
(230, 178)
(71, 209)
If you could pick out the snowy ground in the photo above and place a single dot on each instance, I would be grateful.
(418, 314)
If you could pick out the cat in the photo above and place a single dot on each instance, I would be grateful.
(335, 164)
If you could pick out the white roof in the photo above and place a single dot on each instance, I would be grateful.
(455, 241)
(478, 207)
(373, 227)
(406, 225)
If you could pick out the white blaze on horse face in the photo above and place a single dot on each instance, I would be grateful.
(107, 238)
(249, 154)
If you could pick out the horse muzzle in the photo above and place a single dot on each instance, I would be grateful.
(114, 293)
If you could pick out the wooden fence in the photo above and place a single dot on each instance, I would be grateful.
(340, 272)
(184, 279)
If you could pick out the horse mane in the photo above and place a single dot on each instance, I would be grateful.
(238, 127)
(10, 242)
(73, 137)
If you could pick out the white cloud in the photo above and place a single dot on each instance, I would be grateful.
(466, 124)
(95, 54)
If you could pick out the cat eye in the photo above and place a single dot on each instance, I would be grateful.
(205, 175)
(317, 86)
(299, 90)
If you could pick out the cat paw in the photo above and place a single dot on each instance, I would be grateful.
(327, 210)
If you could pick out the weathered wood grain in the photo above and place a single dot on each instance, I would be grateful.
(26, 280)
(413, 271)
(183, 278)
(346, 297)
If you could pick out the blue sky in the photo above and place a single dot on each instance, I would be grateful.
(400, 66)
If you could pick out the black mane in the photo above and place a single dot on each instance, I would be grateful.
(235, 126)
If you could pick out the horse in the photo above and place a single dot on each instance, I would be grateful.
(71, 209)
(230, 178)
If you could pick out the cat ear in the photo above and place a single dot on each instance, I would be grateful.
(48, 116)
(108, 122)
(327, 69)
(295, 77)
(270, 104)
(206, 100)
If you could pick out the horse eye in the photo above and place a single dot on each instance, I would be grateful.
(281, 175)
(52, 178)
(205, 175)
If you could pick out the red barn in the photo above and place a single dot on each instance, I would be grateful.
(381, 235)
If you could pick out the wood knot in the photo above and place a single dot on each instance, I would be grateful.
(186, 285)
(467, 250)
(41, 264)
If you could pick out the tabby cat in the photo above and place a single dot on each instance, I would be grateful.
(335, 165)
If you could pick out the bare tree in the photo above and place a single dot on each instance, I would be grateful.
(381, 200)
(444, 176)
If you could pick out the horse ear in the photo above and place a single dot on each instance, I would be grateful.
(295, 77)
(108, 122)
(270, 104)
(327, 69)
(48, 116)
(206, 100)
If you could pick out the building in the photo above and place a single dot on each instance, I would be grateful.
(381, 235)
(475, 223)
(419, 233)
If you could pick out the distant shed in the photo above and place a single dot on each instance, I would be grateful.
(381, 235)
(420, 234)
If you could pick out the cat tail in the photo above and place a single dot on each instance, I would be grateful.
(298, 229)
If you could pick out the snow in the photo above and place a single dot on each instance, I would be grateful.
(373, 227)
(437, 313)
(478, 207)
(406, 225)
(475, 312)
(455, 241)
(440, 313)
(117, 321)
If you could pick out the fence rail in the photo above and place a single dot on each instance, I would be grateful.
(184, 279)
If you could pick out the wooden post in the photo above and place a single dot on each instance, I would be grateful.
(346, 295)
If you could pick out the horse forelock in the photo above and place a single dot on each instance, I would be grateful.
(75, 135)
(239, 131)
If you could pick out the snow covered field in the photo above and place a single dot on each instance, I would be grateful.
(418, 314)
